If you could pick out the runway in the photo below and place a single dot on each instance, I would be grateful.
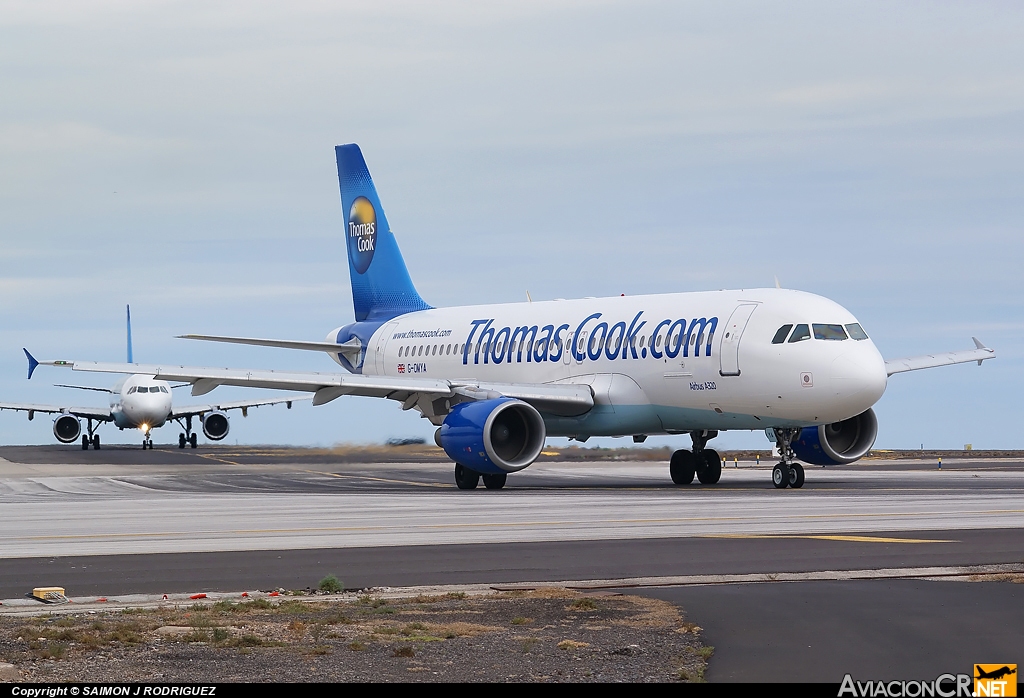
(230, 501)
(125, 521)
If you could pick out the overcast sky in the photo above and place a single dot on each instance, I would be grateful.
(178, 156)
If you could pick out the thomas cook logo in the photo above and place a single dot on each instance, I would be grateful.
(995, 680)
(362, 233)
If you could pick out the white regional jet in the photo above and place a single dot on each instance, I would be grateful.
(138, 401)
(498, 379)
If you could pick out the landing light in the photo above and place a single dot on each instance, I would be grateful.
(144, 428)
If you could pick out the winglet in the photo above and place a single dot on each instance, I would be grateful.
(32, 363)
(977, 343)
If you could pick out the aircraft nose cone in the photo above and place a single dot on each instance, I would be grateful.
(860, 374)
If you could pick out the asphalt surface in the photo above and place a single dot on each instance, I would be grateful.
(235, 519)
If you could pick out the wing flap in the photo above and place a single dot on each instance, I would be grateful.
(561, 399)
(192, 410)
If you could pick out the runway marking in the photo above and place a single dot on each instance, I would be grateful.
(210, 456)
(845, 538)
(501, 524)
(379, 479)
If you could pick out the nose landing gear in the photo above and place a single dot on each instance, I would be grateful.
(787, 473)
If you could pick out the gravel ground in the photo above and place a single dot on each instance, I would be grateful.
(550, 635)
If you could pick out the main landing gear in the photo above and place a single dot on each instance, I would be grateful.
(189, 437)
(92, 439)
(787, 473)
(466, 479)
(703, 462)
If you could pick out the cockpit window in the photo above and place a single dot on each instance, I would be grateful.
(831, 332)
(801, 333)
(143, 389)
(856, 331)
(131, 390)
(163, 389)
(780, 336)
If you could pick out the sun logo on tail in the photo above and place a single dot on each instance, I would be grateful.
(362, 233)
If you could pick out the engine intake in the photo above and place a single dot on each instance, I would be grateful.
(838, 443)
(67, 428)
(496, 436)
(215, 425)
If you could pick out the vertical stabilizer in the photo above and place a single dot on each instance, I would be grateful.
(381, 285)
(128, 310)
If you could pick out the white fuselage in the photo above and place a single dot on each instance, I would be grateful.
(140, 402)
(657, 364)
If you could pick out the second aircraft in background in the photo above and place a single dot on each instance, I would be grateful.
(137, 401)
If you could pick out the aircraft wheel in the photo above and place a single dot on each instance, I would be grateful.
(711, 473)
(192, 440)
(796, 476)
(182, 441)
(682, 467)
(780, 476)
(466, 479)
(96, 442)
(495, 482)
(85, 442)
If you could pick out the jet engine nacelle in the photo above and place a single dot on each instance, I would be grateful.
(496, 436)
(838, 443)
(215, 425)
(67, 428)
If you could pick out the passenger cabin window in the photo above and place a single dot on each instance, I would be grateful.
(829, 332)
(856, 331)
(781, 335)
(801, 333)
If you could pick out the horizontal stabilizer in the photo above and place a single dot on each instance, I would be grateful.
(349, 349)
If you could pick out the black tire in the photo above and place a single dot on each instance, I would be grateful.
(96, 442)
(466, 479)
(495, 482)
(85, 442)
(182, 441)
(780, 476)
(682, 467)
(193, 440)
(796, 476)
(711, 473)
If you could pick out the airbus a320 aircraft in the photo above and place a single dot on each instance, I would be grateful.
(138, 401)
(498, 379)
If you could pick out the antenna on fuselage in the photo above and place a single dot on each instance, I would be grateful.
(528, 299)
(777, 285)
(128, 310)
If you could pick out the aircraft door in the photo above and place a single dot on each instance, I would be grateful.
(730, 348)
(382, 342)
(567, 351)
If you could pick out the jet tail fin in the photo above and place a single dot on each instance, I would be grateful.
(32, 363)
(381, 285)
(128, 310)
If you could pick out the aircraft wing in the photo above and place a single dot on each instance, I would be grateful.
(244, 405)
(560, 399)
(914, 363)
(98, 413)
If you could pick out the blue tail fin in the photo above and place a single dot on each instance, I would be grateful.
(129, 311)
(32, 363)
(381, 286)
